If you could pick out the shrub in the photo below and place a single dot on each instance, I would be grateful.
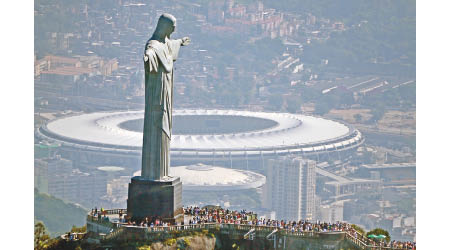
(170, 242)
(76, 229)
(183, 243)
(359, 229)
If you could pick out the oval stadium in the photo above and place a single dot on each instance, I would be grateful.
(236, 139)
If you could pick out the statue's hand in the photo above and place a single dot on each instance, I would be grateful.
(185, 41)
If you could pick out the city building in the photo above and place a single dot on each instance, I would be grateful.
(340, 187)
(392, 174)
(57, 67)
(57, 177)
(78, 187)
(290, 188)
(331, 212)
(46, 168)
(117, 192)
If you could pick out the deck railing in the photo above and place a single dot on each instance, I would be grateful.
(355, 237)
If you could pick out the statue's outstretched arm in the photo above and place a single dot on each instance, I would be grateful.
(152, 60)
(176, 44)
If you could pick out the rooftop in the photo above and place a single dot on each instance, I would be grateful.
(200, 177)
(288, 132)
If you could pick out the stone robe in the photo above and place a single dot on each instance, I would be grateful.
(158, 107)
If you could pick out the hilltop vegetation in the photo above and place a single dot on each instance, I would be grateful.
(57, 215)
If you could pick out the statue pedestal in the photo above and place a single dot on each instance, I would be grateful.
(155, 199)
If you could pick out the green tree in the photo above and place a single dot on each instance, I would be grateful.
(76, 229)
(380, 231)
(41, 238)
(358, 229)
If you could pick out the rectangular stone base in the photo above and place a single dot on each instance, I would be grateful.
(155, 199)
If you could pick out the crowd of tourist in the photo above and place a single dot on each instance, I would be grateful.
(402, 244)
(197, 215)
(220, 215)
(100, 214)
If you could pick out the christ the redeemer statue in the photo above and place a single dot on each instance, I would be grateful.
(154, 194)
(160, 53)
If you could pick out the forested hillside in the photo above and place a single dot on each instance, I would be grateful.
(57, 215)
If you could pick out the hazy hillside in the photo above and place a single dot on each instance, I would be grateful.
(57, 215)
(380, 31)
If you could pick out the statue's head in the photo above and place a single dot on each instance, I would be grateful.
(166, 26)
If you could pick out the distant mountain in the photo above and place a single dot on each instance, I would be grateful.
(57, 215)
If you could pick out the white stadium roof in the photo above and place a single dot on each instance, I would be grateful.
(292, 133)
(200, 177)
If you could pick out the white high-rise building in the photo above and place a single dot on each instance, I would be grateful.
(290, 188)
(331, 212)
